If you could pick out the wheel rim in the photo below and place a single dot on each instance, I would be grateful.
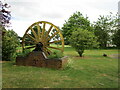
(44, 32)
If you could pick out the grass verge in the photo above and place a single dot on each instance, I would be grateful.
(91, 71)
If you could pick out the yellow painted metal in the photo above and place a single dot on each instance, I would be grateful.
(38, 27)
(43, 35)
(30, 47)
(43, 32)
(54, 48)
(30, 42)
(45, 51)
(53, 35)
(32, 38)
(48, 50)
(34, 33)
(48, 31)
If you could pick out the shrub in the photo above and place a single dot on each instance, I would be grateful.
(83, 39)
(23, 54)
(9, 44)
(56, 54)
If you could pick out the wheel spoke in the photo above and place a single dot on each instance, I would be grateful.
(34, 33)
(38, 28)
(48, 50)
(55, 48)
(31, 37)
(43, 32)
(30, 47)
(30, 42)
(49, 31)
(53, 35)
(46, 53)
(54, 42)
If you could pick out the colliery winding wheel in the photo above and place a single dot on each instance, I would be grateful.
(44, 33)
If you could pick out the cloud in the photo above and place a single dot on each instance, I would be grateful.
(26, 12)
(119, 10)
(29, 9)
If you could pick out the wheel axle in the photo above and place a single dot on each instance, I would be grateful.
(39, 47)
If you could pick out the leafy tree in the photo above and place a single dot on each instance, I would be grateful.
(4, 22)
(83, 39)
(104, 28)
(77, 20)
(4, 14)
(116, 38)
(9, 43)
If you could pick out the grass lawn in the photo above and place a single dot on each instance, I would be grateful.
(91, 71)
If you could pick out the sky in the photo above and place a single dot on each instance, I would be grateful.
(26, 12)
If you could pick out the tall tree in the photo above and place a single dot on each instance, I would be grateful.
(77, 20)
(10, 38)
(116, 37)
(104, 28)
(4, 21)
(4, 14)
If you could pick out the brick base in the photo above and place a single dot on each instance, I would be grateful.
(37, 59)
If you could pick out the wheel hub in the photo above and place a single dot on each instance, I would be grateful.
(39, 47)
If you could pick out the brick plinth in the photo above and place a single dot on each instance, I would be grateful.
(37, 59)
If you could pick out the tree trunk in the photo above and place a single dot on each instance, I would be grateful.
(80, 55)
(80, 52)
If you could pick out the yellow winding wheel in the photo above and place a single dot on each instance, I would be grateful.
(47, 34)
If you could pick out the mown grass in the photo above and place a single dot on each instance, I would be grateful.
(91, 71)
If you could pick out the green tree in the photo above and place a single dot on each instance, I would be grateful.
(104, 28)
(4, 14)
(116, 38)
(77, 20)
(10, 42)
(83, 39)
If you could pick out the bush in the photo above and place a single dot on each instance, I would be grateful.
(9, 44)
(83, 39)
(56, 54)
(23, 54)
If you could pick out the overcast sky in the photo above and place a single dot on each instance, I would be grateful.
(26, 12)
